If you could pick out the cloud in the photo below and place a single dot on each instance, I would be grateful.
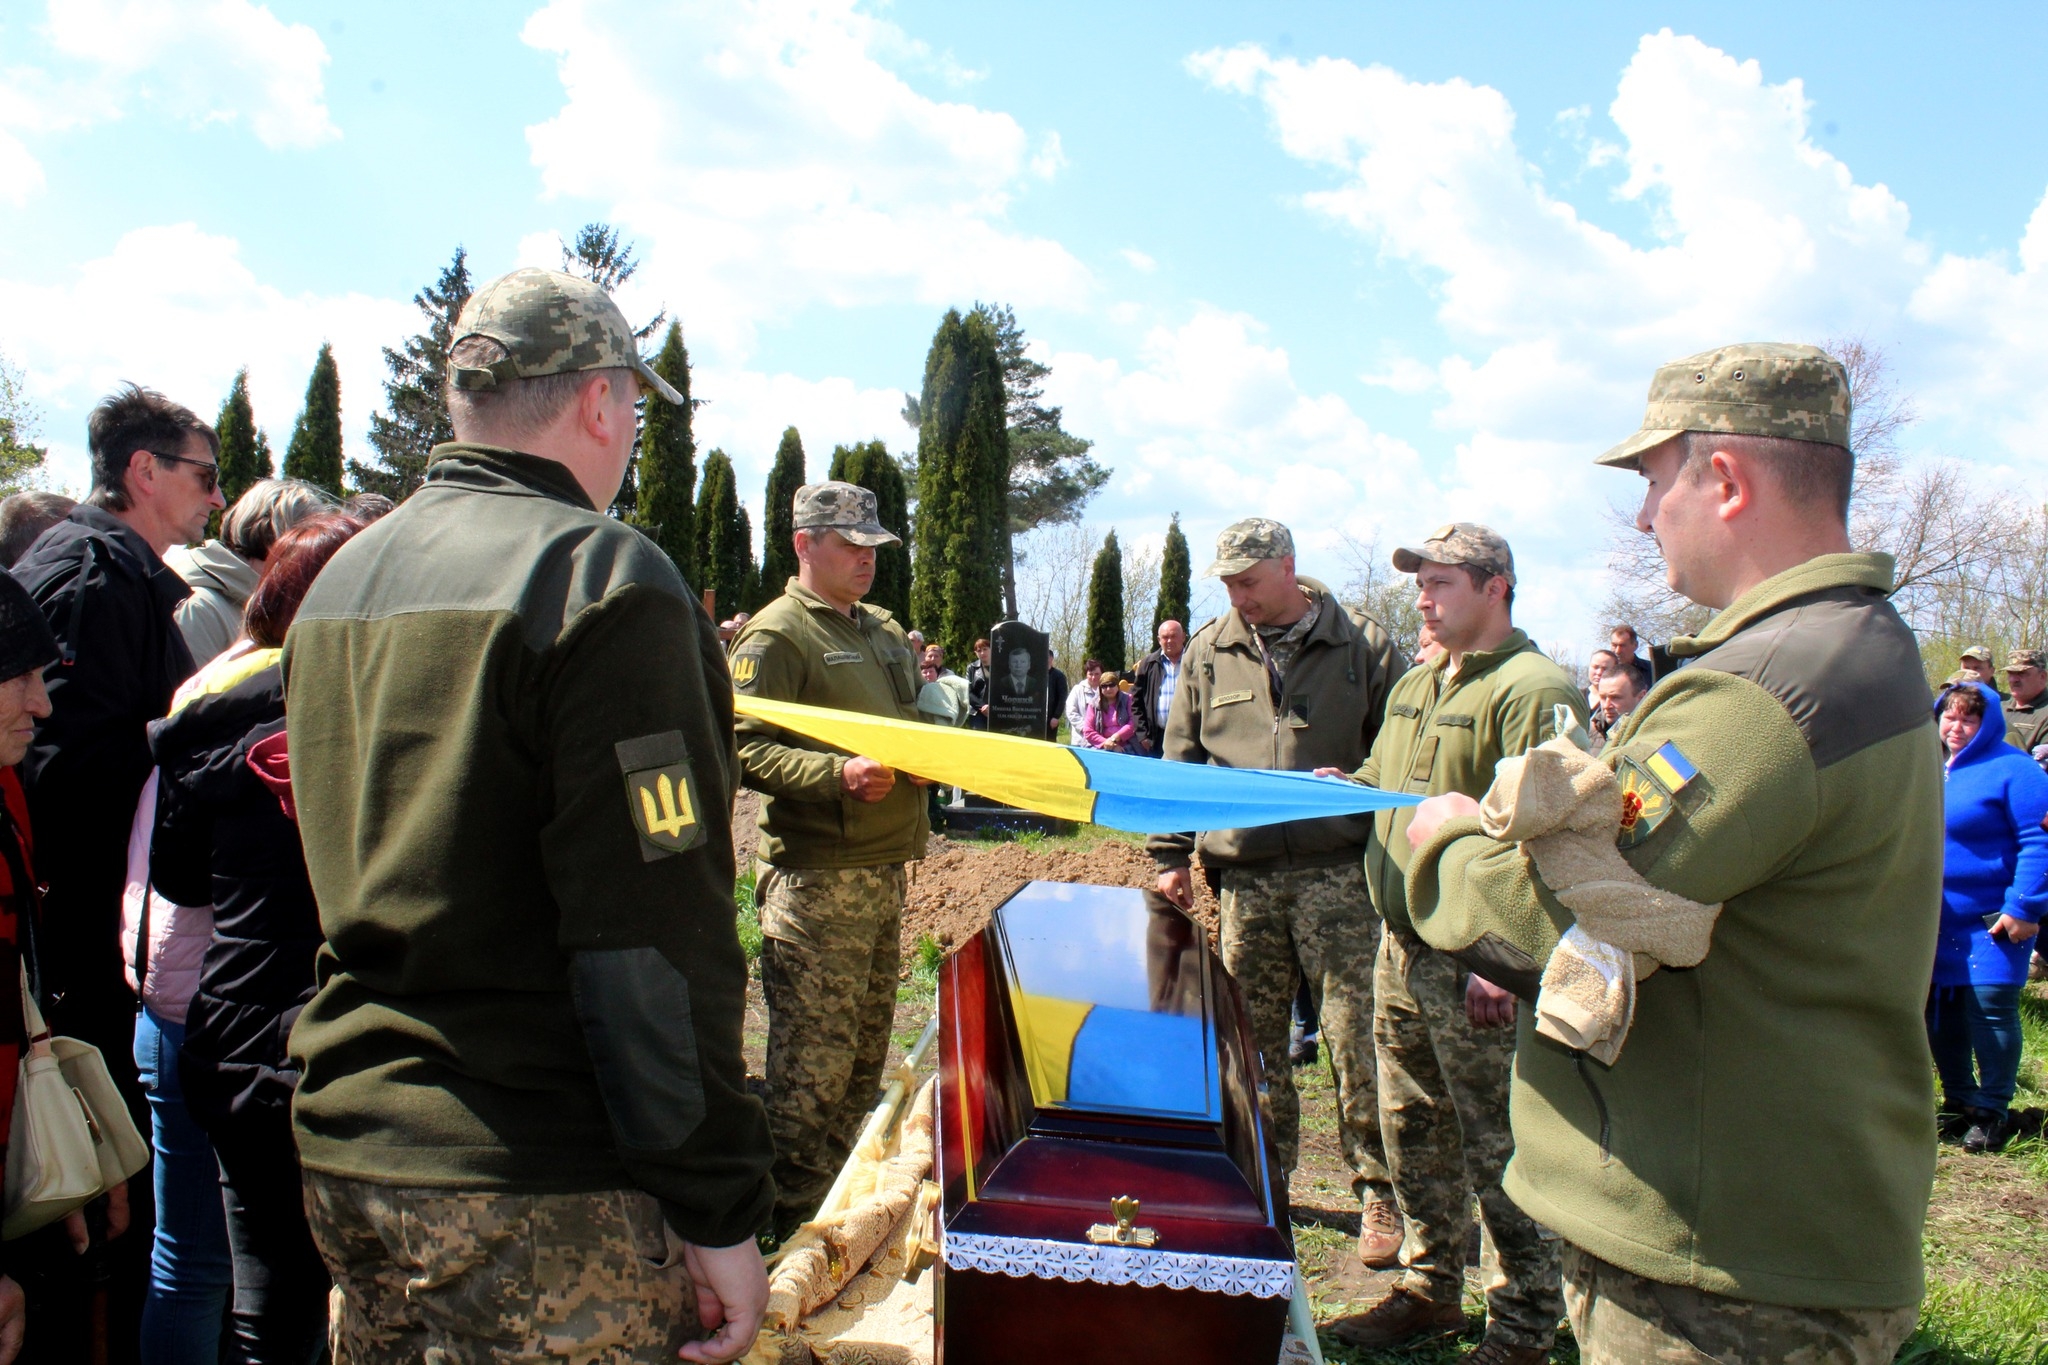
(176, 309)
(199, 61)
(767, 157)
(1138, 260)
(1743, 229)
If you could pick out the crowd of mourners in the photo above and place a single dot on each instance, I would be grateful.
(436, 1046)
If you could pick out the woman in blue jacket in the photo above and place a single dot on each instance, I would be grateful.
(1992, 896)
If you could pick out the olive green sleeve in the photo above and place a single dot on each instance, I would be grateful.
(1739, 821)
(768, 664)
(1183, 745)
(1525, 718)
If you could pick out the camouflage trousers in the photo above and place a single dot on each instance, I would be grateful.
(1444, 1117)
(829, 959)
(1621, 1318)
(460, 1277)
(1279, 926)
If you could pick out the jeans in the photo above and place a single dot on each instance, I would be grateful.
(281, 1284)
(190, 1273)
(1979, 1024)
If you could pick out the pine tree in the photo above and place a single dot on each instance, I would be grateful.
(668, 464)
(875, 469)
(1105, 636)
(1176, 580)
(598, 255)
(725, 541)
(778, 515)
(416, 391)
(244, 451)
(315, 450)
(963, 466)
(1051, 475)
(21, 459)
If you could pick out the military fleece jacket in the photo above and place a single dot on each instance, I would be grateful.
(511, 745)
(1326, 714)
(1768, 1133)
(801, 648)
(1444, 732)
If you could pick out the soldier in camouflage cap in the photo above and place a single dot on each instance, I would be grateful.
(846, 508)
(1461, 542)
(548, 323)
(2026, 710)
(1245, 543)
(835, 833)
(1798, 393)
(1291, 678)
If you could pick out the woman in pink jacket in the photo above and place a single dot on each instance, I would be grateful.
(1106, 721)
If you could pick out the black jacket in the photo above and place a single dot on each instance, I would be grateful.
(1146, 680)
(109, 600)
(223, 837)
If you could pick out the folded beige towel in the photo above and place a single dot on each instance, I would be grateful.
(1564, 807)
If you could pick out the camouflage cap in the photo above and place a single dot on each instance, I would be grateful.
(1980, 653)
(2020, 660)
(1754, 389)
(1245, 543)
(550, 323)
(1461, 542)
(846, 508)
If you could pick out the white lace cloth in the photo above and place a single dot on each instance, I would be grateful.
(1075, 1262)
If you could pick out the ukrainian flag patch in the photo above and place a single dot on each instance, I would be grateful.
(1672, 768)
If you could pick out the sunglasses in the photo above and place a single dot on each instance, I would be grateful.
(209, 472)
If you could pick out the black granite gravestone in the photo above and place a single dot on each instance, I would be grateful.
(1016, 686)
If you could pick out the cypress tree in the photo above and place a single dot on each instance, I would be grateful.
(875, 469)
(244, 451)
(963, 471)
(315, 450)
(668, 464)
(1176, 580)
(725, 548)
(778, 515)
(416, 391)
(1105, 636)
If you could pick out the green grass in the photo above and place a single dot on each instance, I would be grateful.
(749, 915)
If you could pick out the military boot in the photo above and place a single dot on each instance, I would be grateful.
(1379, 1234)
(1401, 1317)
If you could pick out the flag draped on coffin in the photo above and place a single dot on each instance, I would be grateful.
(1122, 791)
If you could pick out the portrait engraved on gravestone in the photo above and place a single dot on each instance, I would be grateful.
(1016, 686)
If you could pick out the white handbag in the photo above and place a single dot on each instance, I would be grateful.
(72, 1138)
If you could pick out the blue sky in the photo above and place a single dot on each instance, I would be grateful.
(1366, 268)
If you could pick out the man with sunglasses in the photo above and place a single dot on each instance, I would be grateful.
(100, 579)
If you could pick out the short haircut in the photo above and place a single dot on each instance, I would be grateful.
(367, 507)
(23, 519)
(514, 407)
(1479, 579)
(266, 511)
(1087, 664)
(1812, 474)
(302, 552)
(1638, 677)
(1963, 700)
(1607, 653)
(129, 419)
(981, 643)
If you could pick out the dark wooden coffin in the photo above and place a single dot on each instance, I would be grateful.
(1092, 1052)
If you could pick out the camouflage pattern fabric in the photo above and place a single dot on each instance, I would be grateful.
(469, 1276)
(1442, 1153)
(829, 959)
(1277, 926)
(549, 323)
(1461, 542)
(846, 508)
(1281, 644)
(1244, 543)
(1620, 1318)
(1755, 389)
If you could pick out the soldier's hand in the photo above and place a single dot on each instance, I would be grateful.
(1487, 1005)
(1431, 814)
(1178, 886)
(732, 1295)
(12, 1312)
(1333, 772)
(867, 780)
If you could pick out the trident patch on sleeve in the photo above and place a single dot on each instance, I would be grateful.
(661, 796)
(745, 668)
